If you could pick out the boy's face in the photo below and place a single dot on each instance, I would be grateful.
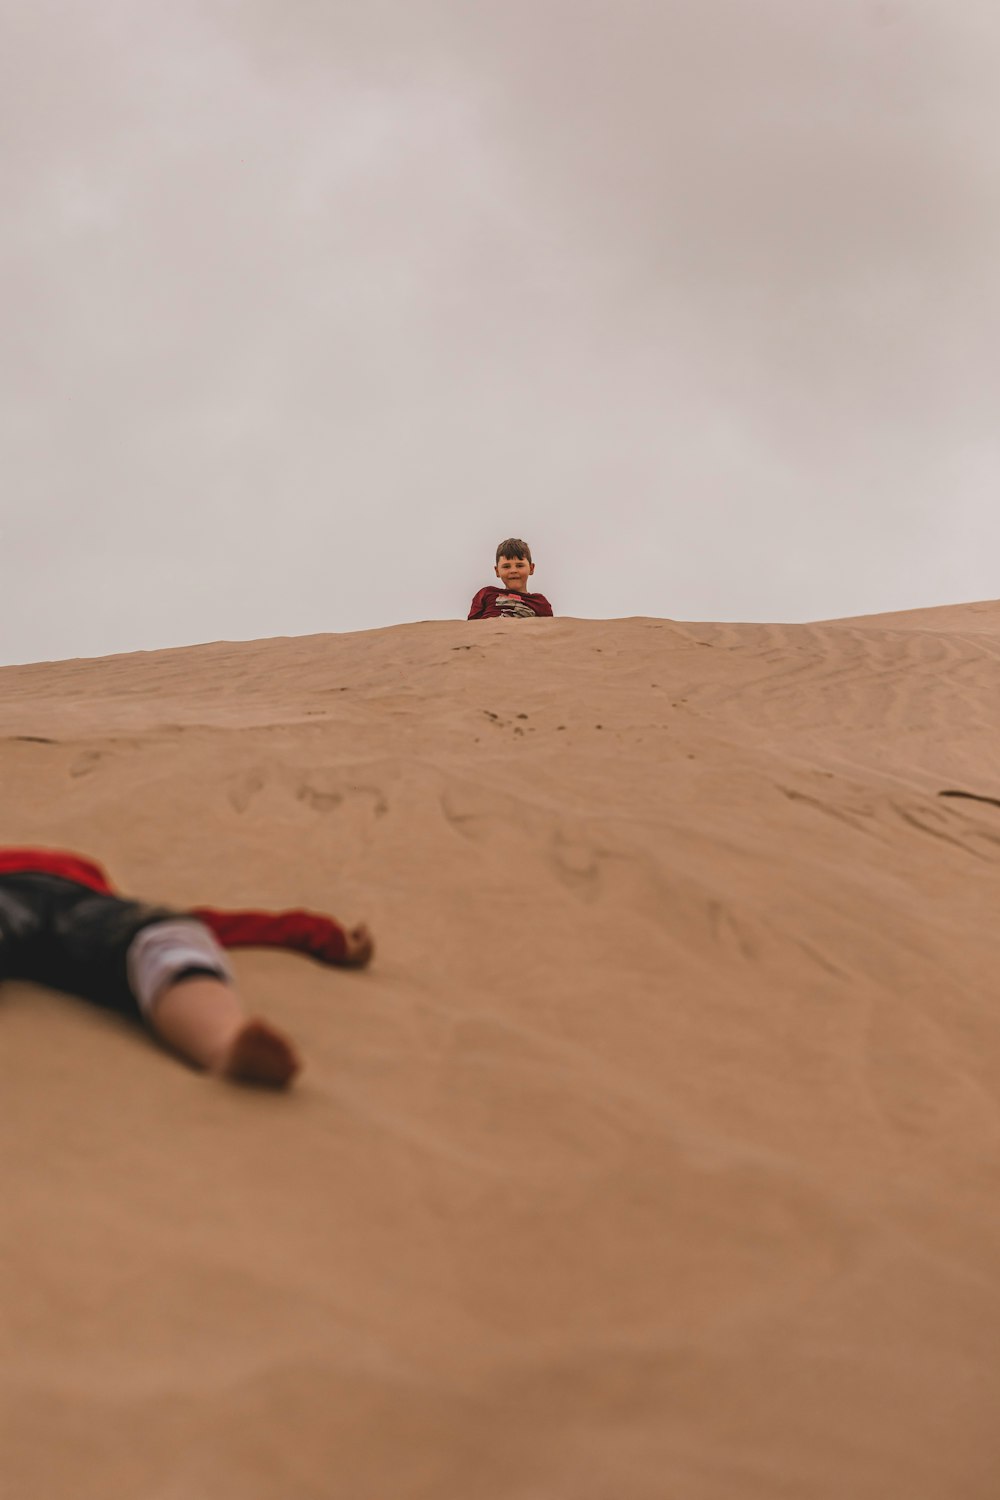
(513, 573)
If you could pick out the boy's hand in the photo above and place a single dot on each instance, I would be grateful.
(359, 945)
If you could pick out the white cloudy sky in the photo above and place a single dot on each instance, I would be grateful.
(306, 303)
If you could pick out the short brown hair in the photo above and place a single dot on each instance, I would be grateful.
(514, 547)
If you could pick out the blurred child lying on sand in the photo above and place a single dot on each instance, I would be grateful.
(62, 925)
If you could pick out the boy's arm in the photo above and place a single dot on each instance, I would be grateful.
(302, 931)
(478, 605)
(541, 605)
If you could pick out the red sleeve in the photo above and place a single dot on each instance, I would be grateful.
(541, 605)
(55, 862)
(478, 604)
(302, 931)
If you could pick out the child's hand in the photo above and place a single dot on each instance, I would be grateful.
(359, 945)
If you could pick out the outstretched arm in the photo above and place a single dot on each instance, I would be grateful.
(321, 937)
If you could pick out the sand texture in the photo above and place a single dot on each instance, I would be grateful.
(657, 1156)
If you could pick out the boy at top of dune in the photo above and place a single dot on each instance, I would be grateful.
(62, 925)
(511, 601)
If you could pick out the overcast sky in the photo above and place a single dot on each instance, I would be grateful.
(307, 303)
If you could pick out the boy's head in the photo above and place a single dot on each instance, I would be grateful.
(514, 566)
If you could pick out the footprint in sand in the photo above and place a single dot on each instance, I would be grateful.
(243, 789)
(461, 813)
(318, 799)
(86, 763)
(577, 865)
(729, 932)
(324, 794)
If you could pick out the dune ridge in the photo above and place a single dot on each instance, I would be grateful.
(657, 1154)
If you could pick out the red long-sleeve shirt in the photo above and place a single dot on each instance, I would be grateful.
(297, 929)
(485, 606)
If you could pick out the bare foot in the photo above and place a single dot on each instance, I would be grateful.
(359, 947)
(259, 1054)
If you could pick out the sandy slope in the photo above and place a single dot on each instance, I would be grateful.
(659, 1154)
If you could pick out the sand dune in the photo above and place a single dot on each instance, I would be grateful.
(658, 1154)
